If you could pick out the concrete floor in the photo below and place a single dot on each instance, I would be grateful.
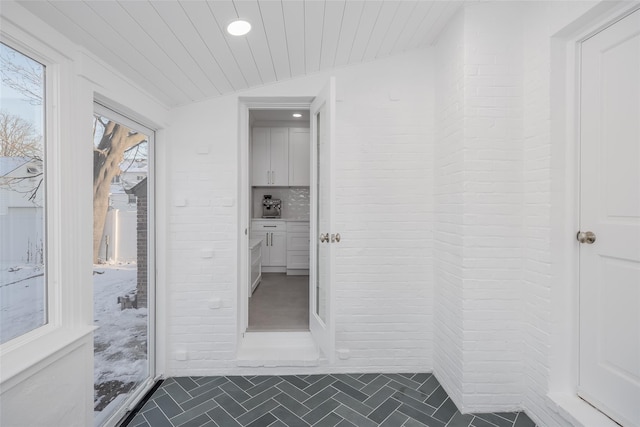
(280, 303)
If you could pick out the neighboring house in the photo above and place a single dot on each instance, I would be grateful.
(21, 211)
(119, 236)
(139, 191)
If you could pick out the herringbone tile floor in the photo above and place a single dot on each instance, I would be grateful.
(361, 400)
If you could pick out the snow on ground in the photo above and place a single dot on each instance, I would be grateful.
(120, 341)
(21, 300)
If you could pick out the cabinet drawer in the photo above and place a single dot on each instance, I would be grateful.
(266, 225)
(297, 227)
(297, 259)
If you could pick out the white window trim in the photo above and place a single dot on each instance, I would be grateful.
(23, 355)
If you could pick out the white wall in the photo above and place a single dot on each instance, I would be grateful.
(46, 377)
(505, 333)
(479, 169)
(449, 208)
(383, 211)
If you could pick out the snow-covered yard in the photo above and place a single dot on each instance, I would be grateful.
(120, 342)
(21, 300)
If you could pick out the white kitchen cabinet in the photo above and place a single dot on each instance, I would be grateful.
(298, 247)
(274, 244)
(299, 157)
(255, 248)
(270, 157)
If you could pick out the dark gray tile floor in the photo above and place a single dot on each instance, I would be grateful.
(345, 400)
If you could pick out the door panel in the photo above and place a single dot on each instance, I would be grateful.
(299, 152)
(321, 322)
(280, 156)
(260, 157)
(609, 371)
(278, 249)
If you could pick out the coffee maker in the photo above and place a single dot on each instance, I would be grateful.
(271, 208)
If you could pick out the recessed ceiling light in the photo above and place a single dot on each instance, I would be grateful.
(238, 28)
(297, 115)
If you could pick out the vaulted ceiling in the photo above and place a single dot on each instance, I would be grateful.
(180, 52)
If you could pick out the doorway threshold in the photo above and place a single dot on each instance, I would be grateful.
(277, 349)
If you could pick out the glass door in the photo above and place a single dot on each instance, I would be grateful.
(122, 264)
(321, 322)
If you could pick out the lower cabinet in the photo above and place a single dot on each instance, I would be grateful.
(285, 245)
(274, 247)
(274, 244)
(298, 248)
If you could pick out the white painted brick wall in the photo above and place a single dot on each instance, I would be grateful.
(478, 261)
(449, 208)
(384, 174)
(492, 208)
(493, 319)
(471, 211)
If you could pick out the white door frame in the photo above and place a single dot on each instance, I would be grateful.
(244, 194)
(565, 208)
(101, 106)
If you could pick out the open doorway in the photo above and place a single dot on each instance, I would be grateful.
(307, 243)
(279, 231)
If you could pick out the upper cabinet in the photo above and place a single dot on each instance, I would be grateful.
(270, 157)
(299, 157)
(280, 157)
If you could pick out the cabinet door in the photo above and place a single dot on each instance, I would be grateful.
(278, 249)
(279, 156)
(299, 161)
(260, 157)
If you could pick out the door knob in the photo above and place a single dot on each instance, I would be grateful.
(335, 238)
(588, 237)
(324, 237)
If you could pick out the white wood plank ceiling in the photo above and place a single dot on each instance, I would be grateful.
(180, 52)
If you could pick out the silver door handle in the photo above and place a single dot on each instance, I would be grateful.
(267, 239)
(335, 238)
(588, 237)
(271, 239)
(324, 237)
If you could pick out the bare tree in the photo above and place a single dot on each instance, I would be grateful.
(107, 156)
(27, 77)
(18, 137)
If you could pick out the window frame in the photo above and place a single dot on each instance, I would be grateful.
(50, 79)
(67, 321)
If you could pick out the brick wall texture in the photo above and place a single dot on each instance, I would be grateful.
(443, 200)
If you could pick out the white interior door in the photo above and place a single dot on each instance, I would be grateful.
(609, 375)
(321, 322)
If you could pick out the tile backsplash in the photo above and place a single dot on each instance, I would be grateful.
(295, 201)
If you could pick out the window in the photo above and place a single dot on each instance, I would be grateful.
(23, 255)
